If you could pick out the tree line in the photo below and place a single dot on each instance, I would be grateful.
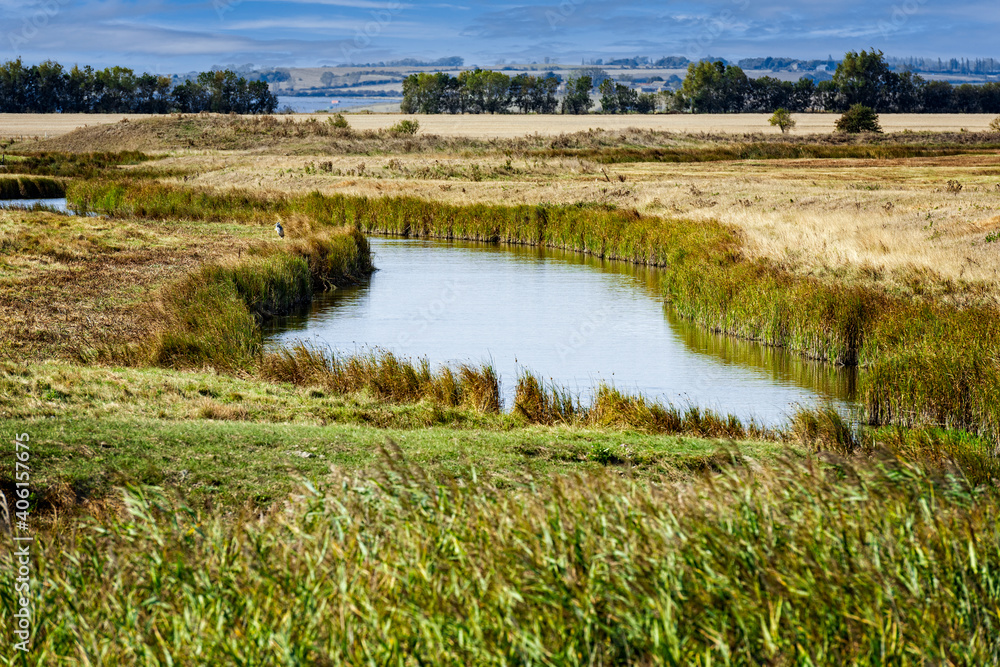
(861, 78)
(710, 87)
(479, 91)
(50, 88)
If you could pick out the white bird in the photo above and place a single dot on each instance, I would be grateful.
(281, 230)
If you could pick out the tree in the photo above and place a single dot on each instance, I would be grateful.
(864, 78)
(857, 119)
(783, 119)
(484, 91)
(577, 100)
(714, 87)
(609, 97)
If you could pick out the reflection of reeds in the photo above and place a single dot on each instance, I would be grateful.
(926, 363)
(30, 187)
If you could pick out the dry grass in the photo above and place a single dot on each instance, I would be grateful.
(67, 282)
(509, 126)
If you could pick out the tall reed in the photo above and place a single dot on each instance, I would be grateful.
(212, 317)
(796, 565)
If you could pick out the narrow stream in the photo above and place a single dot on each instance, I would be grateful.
(573, 319)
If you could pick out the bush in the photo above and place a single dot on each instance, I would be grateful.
(339, 122)
(995, 125)
(783, 119)
(406, 127)
(858, 119)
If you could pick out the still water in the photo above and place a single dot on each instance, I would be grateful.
(312, 104)
(58, 204)
(576, 320)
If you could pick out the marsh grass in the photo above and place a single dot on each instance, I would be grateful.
(613, 409)
(75, 165)
(801, 564)
(545, 403)
(386, 376)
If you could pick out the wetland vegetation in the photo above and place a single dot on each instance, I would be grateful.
(195, 488)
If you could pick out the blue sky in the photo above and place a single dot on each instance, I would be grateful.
(181, 35)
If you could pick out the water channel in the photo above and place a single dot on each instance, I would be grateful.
(573, 319)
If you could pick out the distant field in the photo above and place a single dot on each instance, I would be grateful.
(52, 125)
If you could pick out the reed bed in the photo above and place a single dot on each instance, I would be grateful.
(75, 165)
(926, 363)
(797, 565)
(386, 376)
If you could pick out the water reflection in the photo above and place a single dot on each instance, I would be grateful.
(58, 204)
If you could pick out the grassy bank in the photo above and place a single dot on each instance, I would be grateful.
(793, 566)
(223, 440)
(926, 363)
(212, 316)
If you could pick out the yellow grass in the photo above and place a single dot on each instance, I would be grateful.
(515, 125)
(42, 125)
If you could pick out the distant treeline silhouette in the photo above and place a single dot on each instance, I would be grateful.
(709, 87)
(50, 88)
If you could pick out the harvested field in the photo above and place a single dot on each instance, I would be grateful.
(484, 126)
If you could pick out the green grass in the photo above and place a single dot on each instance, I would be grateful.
(223, 440)
(796, 565)
(926, 364)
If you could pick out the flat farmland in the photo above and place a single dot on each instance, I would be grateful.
(515, 125)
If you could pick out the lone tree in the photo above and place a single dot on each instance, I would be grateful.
(783, 119)
(857, 119)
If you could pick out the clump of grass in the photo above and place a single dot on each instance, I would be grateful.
(386, 376)
(540, 404)
(826, 430)
(611, 408)
(790, 566)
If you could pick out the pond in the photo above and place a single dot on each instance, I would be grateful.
(573, 319)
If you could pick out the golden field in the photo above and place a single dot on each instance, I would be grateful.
(516, 125)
